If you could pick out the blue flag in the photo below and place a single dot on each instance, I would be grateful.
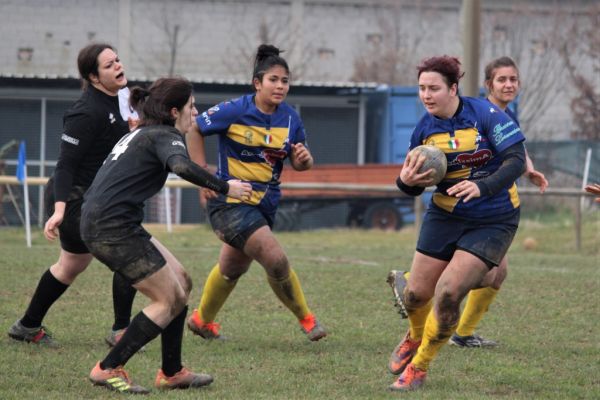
(22, 162)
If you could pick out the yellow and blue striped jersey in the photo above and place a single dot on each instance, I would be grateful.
(253, 145)
(472, 141)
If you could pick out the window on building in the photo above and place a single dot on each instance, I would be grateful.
(374, 38)
(25, 54)
(538, 47)
(325, 53)
(500, 33)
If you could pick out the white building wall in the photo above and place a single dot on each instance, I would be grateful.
(217, 39)
(55, 30)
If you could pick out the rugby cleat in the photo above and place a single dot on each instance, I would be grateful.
(312, 328)
(207, 331)
(115, 379)
(39, 335)
(403, 354)
(471, 341)
(397, 282)
(184, 379)
(411, 379)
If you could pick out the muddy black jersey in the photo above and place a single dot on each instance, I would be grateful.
(92, 126)
(135, 170)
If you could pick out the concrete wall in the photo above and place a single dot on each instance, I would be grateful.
(323, 39)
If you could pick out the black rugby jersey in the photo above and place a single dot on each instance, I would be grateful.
(92, 126)
(135, 170)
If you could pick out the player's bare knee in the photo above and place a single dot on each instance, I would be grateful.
(488, 280)
(413, 300)
(232, 277)
(188, 284)
(233, 273)
(500, 277)
(448, 308)
(179, 301)
(66, 273)
(279, 268)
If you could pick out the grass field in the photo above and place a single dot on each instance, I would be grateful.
(546, 319)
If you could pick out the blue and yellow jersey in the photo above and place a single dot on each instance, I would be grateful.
(472, 140)
(253, 145)
(512, 115)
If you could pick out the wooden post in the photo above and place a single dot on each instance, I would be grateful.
(578, 222)
(471, 31)
(580, 203)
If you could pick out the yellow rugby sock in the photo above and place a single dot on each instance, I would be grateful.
(216, 290)
(289, 291)
(478, 302)
(433, 339)
(417, 318)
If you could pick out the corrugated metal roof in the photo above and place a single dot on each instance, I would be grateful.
(208, 81)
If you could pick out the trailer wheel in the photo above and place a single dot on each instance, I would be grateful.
(383, 215)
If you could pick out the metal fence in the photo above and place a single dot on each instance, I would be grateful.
(167, 206)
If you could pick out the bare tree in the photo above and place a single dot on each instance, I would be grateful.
(581, 53)
(405, 35)
(274, 29)
(162, 60)
(535, 48)
(391, 54)
(173, 35)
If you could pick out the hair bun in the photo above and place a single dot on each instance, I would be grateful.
(267, 56)
(266, 50)
(144, 92)
(137, 96)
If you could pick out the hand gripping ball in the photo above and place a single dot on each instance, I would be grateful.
(436, 159)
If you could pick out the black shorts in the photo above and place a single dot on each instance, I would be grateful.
(126, 250)
(234, 223)
(488, 239)
(70, 236)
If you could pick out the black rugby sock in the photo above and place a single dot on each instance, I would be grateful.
(49, 289)
(171, 339)
(141, 331)
(123, 295)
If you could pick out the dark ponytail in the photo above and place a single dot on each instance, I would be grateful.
(155, 103)
(137, 98)
(267, 56)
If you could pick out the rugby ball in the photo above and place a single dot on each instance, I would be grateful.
(435, 158)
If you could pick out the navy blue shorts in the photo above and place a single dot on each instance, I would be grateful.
(234, 223)
(488, 239)
(126, 250)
